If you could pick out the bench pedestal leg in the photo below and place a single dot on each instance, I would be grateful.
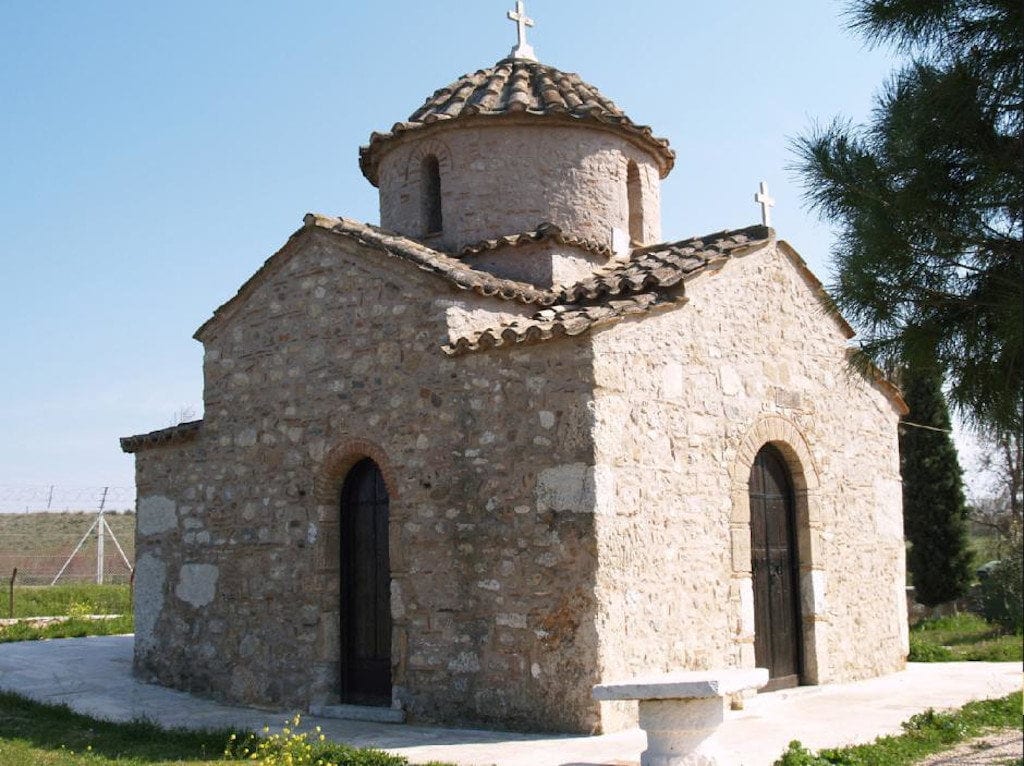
(681, 732)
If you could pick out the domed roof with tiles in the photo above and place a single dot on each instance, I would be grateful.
(517, 87)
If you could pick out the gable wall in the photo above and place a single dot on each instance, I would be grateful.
(329, 360)
(683, 401)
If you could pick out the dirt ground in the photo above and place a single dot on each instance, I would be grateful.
(1001, 747)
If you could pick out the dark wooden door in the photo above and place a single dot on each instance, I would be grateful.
(365, 588)
(777, 635)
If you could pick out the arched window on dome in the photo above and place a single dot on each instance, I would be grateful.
(635, 199)
(430, 195)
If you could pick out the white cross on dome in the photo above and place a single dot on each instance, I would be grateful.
(523, 49)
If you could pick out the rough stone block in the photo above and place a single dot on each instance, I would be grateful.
(197, 584)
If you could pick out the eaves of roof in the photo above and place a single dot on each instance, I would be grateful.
(165, 436)
(651, 270)
(521, 90)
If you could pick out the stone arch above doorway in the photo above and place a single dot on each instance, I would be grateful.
(775, 572)
(789, 442)
(329, 478)
(365, 676)
(339, 461)
(788, 439)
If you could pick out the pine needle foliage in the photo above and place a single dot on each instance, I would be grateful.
(929, 200)
(934, 509)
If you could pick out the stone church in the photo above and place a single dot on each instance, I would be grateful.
(462, 466)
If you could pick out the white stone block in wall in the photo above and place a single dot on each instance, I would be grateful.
(729, 380)
(888, 509)
(746, 587)
(672, 381)
(812, 591)
(155, 514)
(197, 584)
(566, 488)
(150, 575)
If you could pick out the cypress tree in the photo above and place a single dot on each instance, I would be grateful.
(934, 509)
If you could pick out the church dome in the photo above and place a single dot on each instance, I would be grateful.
(516, 87)
(506, 151)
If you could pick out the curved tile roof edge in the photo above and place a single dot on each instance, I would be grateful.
(653, 278)
(563, 321)
(653, 267)
(454, 271)
(543, 232)
(517, 88)
(163, 436)
(371, 153)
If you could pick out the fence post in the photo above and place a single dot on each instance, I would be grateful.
(14, 574)
(100, 553)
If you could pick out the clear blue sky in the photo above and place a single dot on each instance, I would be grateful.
(152, 155)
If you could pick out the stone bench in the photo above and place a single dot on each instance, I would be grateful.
(681, 712)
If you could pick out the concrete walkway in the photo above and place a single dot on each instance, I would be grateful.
(93, 676)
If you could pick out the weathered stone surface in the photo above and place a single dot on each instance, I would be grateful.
(681, 455)
(566, 488)
(528, 551)
(568, 175)
(462, 554)
(561, 512)
(684, 685)
(150, 574)
(197, 584)
(155, 514)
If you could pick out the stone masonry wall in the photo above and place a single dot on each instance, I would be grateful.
(498, 180)
(332, 357)
(543, 264)
(545, 534)
(683, 402)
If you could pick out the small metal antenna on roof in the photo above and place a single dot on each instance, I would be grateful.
(523, 49)
(766, 203)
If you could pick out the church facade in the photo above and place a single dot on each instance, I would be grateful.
(508, 444)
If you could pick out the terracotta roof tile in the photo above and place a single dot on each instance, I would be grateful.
(655, 266)
(665, 265)
(523, 87)
(561, 321)
(648, 279)
(543, 233)
(652, 278)
(173, 435)
(451, 269)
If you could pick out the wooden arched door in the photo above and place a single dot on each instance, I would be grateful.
(776, 573)
(365, 588)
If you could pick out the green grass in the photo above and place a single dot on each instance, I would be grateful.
(923, 735)
(73, 599)
(963, 637)
(76, 627)
(76, 600)
(34, 734)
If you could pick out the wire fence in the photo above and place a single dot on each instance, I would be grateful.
(25, 498)
(55, 534)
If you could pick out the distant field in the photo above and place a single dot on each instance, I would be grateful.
(38, 544)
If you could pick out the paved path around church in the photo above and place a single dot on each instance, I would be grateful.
(93, 676)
